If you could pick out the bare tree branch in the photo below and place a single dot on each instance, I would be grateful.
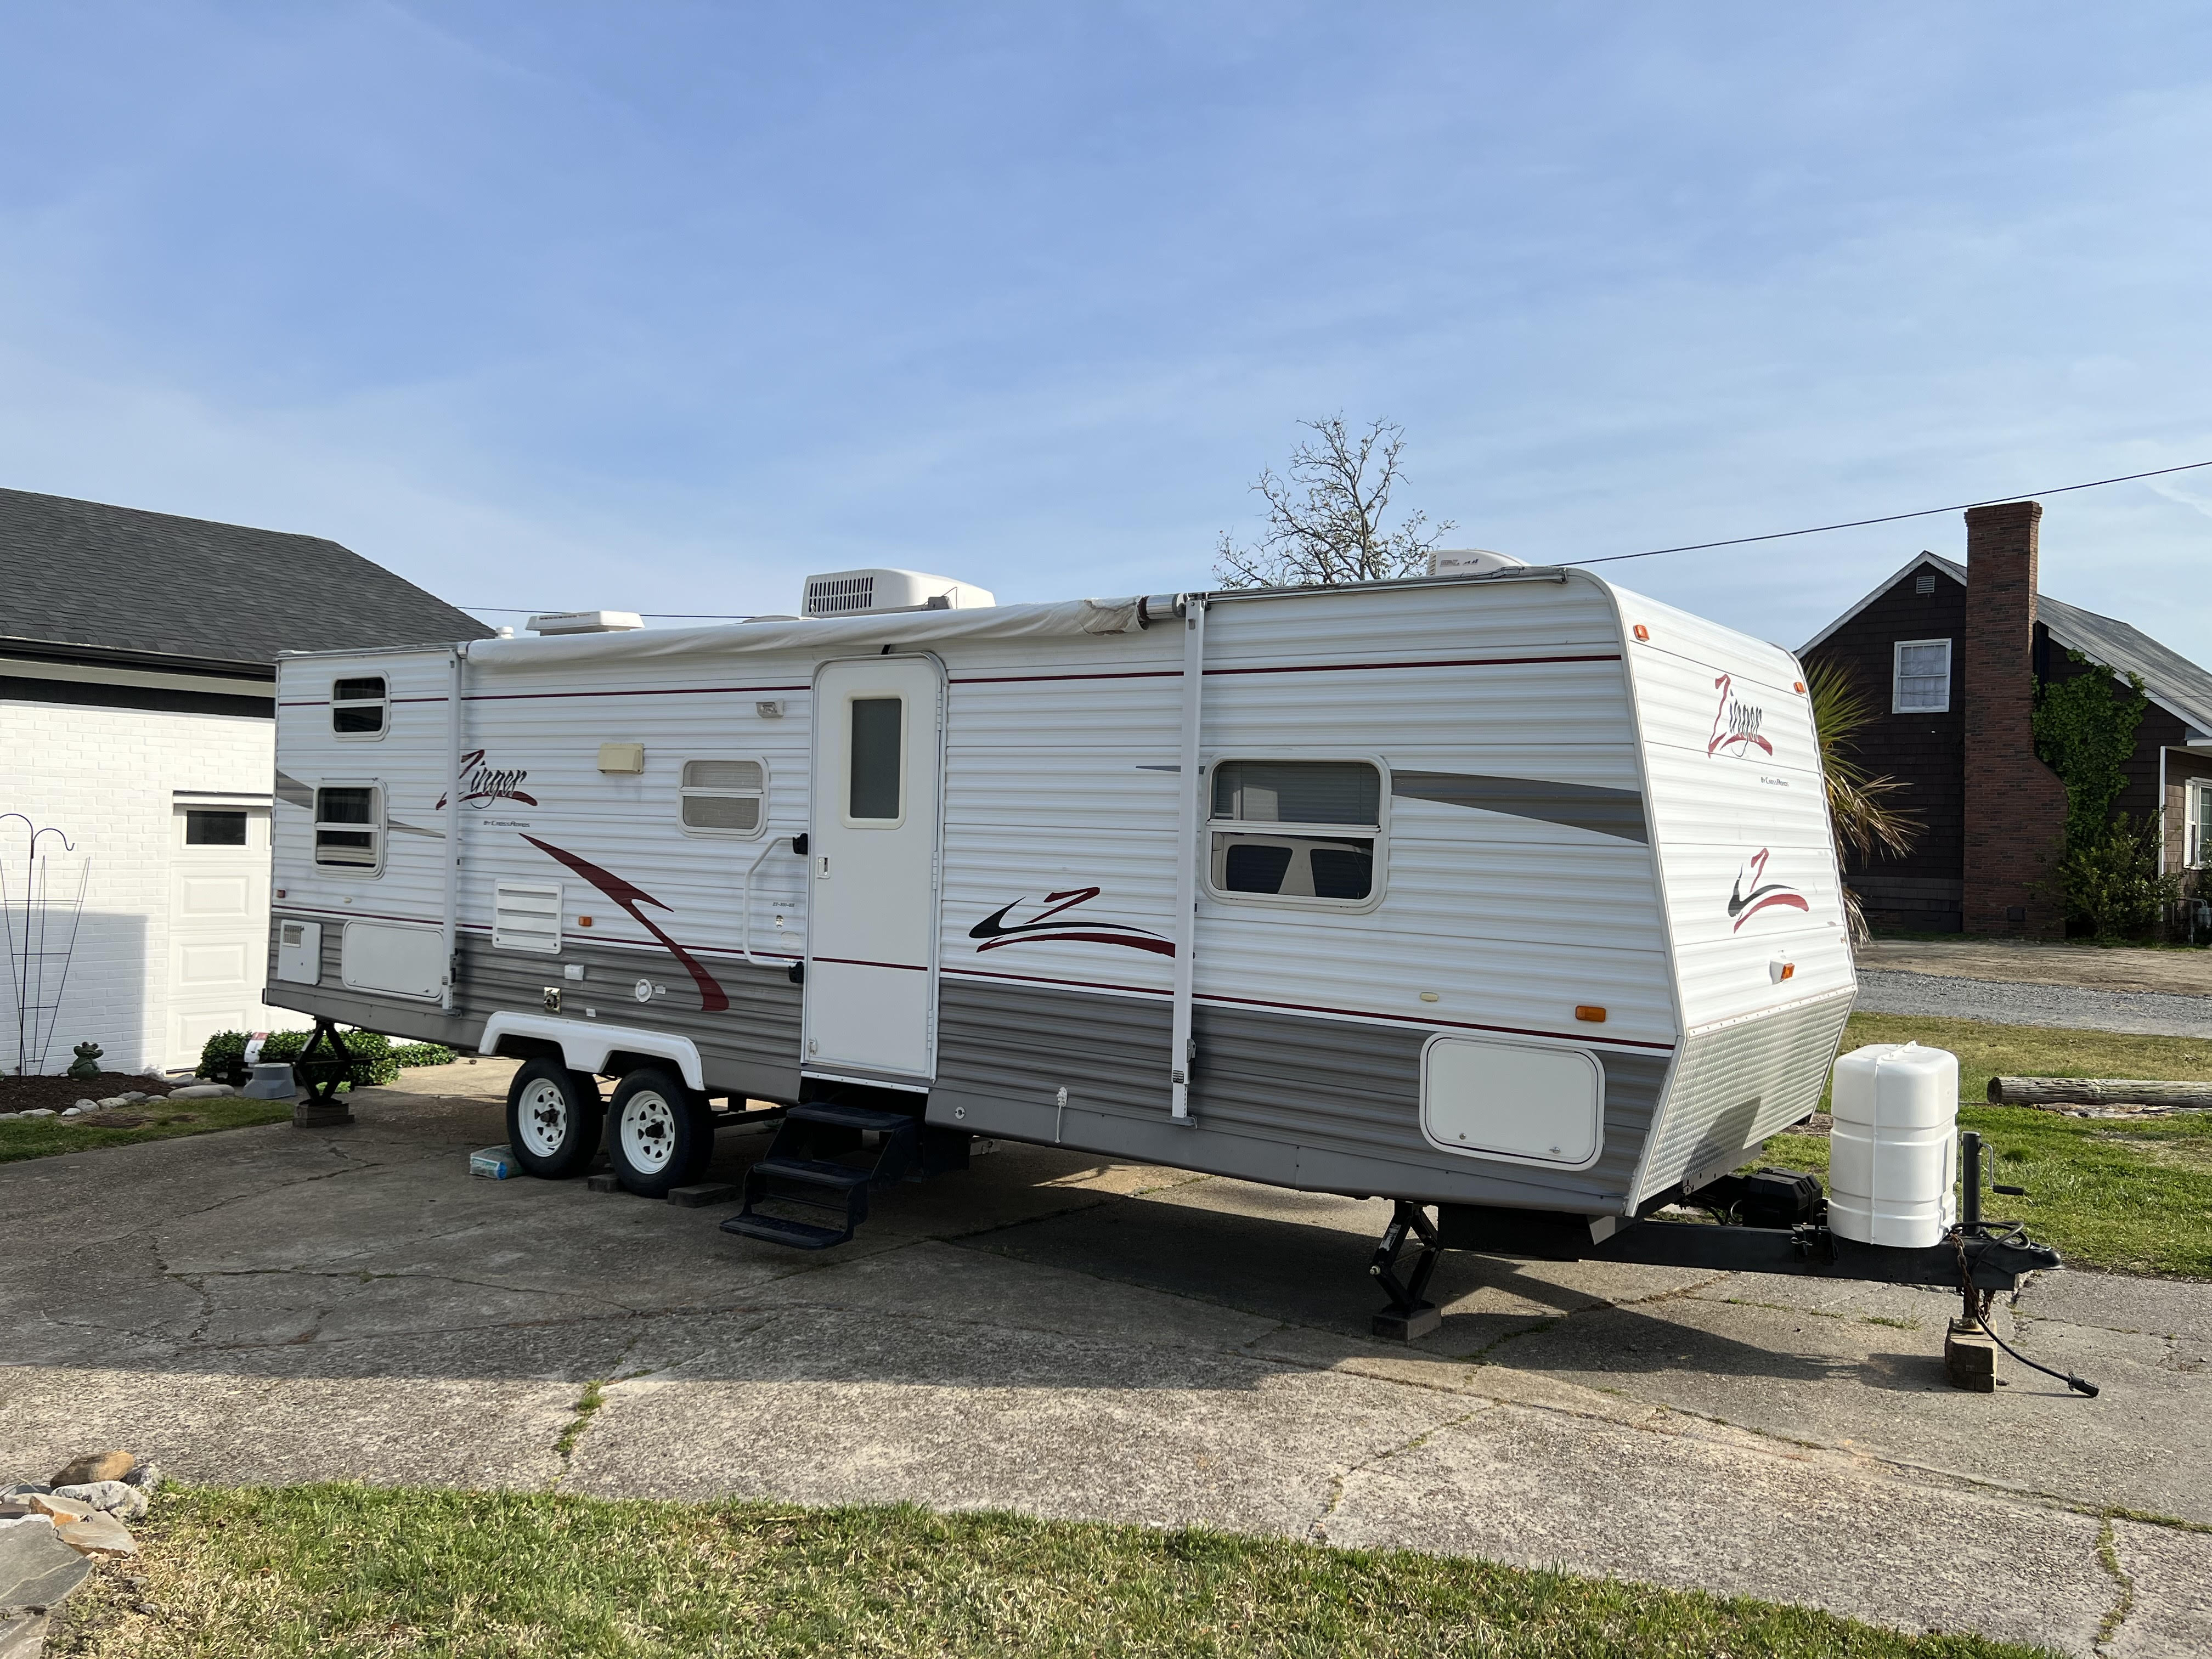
(1326, 519)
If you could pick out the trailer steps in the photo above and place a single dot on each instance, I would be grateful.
(812, 1164)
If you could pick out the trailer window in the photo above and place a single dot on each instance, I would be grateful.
(876, 762)
(1303, 830)
(349, 826)
(724, 797)
(358, 707)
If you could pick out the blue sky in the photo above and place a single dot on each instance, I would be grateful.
(660, 305)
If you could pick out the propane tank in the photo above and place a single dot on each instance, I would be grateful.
(1893, 1152)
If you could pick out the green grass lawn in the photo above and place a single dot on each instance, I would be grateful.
(1986, 1051)
(2123, 1197)
(42, 1137)
(333, 1571)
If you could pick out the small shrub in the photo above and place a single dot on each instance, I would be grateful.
(422, 1053)
(223, 1058)
(2110, 880)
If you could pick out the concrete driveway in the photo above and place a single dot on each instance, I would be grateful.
(1069, 1338)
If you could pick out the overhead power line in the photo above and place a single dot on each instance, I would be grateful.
(1608, 558)
(1887, 518)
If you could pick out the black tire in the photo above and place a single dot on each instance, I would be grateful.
(554, 1118)
(660, 1134)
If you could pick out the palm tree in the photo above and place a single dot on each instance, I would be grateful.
(1866, 823)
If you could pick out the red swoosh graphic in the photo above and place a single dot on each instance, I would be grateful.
(1159, 946)
(712, 997)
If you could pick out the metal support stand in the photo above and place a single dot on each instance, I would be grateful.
(1970, 1359)
(323, 1064)
(1409, 1316)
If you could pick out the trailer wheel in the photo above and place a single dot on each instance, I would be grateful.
(659, 1133)
(553, 1118)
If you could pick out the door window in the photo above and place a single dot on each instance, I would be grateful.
(218, 826)
(877, 761)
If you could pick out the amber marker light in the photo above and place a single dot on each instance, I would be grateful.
(1642, 632)
(1798, 686)
(583, 922)
(1595, 1016)
(1789, 970)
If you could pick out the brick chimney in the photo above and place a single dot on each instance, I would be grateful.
(2016, 807)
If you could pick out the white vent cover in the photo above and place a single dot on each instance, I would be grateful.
(584, 622)
(527, 916)
(1472, 562)
(856, 592)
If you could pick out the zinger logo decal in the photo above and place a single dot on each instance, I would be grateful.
(995, 934)
(482, 784)
(712, 997)
(1746, 901)
(1736, 723)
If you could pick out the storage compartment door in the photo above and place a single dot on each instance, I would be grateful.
(407, 962)
(1513, 1101)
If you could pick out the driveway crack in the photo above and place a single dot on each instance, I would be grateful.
(2108, 1556)
(1318, 1532)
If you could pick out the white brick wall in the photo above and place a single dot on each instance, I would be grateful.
(106, 777)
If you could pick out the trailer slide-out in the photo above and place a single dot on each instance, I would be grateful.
(1509, 895)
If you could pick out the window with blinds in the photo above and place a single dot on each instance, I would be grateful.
(1305, 831)
(1923, 681)
(724, 797)
(349, 827)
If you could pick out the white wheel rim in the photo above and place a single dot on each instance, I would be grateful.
(649, 1132)
(543, 1120)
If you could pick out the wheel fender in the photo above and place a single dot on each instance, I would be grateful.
(585, 1045)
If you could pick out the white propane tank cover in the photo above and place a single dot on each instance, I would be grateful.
(1472, 562)
(1894, 1151)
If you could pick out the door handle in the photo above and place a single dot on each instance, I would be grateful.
(821, 868)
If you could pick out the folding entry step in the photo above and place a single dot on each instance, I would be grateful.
(818, 1163)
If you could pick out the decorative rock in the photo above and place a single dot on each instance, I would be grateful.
(115, 1497)
(147, 1477)
(95, 1465)
(62, 1509)
(36, 1570)
(131, 1097)
(23, 1635)
(203, 1091)
(39, 1111)
(97, 1535)
(85, 1106)
(22, 1491)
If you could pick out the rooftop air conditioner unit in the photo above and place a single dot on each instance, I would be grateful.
(584, 622)
(858, 593)
(1472, 562)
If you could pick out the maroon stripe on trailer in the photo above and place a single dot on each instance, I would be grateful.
(634, 691)
(1430, 1019)
(1031, 679)
(1442, 662)
(855, 962)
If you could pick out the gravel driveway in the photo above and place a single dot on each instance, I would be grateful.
(2016, 1002)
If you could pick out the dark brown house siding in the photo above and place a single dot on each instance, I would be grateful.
(1925, 752)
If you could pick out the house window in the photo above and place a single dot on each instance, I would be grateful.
(349, 826)
(2197, 799)
(1922, 684)
(876, 760)
(724, 797)
(214, 826)
(358, 707)
(1299, 830)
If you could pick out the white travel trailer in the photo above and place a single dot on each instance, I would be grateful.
(1512, 894)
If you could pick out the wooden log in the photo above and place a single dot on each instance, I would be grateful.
(2097, 1092)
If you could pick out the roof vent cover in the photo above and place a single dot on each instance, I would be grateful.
(1472, 562)
(584, 622)
(857, 593)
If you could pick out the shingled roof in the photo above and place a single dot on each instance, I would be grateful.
(2175, 683)
(117, 579)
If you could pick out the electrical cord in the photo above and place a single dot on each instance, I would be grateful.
(1977, 1301)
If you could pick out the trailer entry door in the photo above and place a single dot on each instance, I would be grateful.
(871, 916)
